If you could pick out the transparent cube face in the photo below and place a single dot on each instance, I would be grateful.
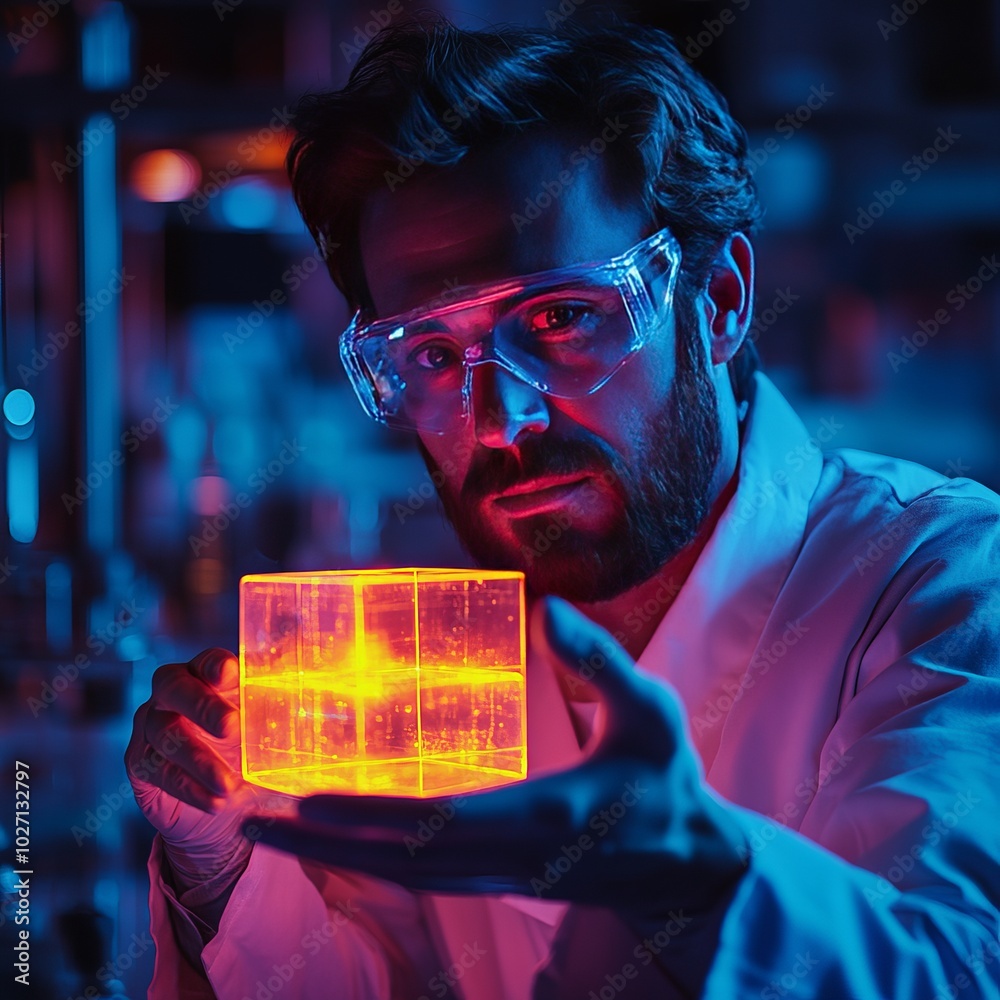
(394, 682)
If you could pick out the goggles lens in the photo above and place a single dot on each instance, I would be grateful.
(564, 332)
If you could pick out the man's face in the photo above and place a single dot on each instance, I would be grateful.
(588, 497)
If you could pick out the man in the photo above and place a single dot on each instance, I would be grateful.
(789, 795)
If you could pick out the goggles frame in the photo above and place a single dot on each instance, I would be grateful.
(629, 273)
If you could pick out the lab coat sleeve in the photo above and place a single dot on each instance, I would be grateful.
(890, 889)
(292, 930)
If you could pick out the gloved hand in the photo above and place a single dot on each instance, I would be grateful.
(655, 838)
(184, 764)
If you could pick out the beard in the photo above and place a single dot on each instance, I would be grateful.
(662, 496)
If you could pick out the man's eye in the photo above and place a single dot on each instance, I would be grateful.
(558, 318)
(434, 357)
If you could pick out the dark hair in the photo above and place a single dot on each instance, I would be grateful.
(430, 80)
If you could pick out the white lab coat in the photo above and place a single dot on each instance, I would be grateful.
(837, 649)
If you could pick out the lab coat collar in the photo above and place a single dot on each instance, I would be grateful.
(708, 634)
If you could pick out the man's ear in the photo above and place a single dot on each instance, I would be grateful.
(728, 298)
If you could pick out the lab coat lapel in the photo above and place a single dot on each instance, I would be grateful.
(705, 641)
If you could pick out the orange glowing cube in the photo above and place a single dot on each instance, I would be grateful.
(383, 682)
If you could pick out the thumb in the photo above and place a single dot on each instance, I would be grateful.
(640, 712)
(589, 655)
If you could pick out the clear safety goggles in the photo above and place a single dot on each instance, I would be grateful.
(565, 332)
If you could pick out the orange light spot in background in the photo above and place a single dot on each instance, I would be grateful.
(164, 175)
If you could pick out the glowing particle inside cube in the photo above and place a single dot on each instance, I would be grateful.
(383, 682)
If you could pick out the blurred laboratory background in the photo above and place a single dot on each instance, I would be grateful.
(170, 343)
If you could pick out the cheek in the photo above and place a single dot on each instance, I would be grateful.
(452, 454)
(643, 386)
(620, 412)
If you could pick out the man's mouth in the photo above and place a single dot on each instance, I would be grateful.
(538, 495)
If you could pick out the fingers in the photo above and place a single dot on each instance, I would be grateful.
(542, 811)
(639, 710)
(584, 648)
(486, 865)
(183, 734)
(219, 668)
(151, 765)
(176, 739)
(194, 690)
(171, 779)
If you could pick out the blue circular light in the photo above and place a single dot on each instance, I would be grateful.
(249, 203)
(19, 407)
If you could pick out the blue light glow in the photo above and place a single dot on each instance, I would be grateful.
(101, 259)
(186, 435)
(58, 606)
(19, 407)
(22, 490)
(249, 203)
(104, 54)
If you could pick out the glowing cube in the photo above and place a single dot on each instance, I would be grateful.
(383, 682)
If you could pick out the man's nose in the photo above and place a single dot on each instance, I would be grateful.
(504, 407)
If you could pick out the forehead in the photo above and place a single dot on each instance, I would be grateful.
(532, 203)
